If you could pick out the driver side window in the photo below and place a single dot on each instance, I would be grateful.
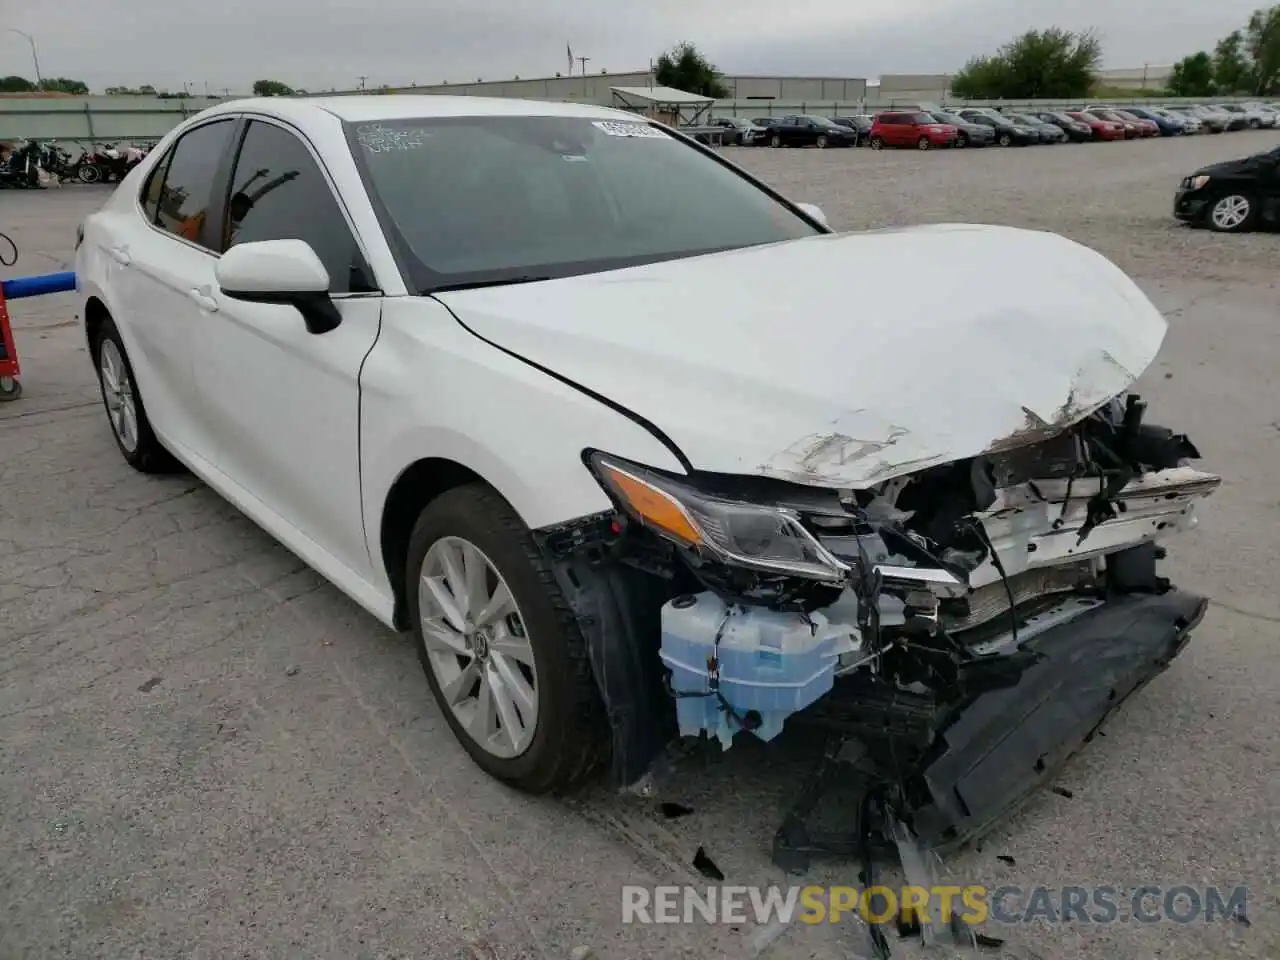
(277, 192)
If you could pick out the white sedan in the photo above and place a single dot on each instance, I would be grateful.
(499, 371)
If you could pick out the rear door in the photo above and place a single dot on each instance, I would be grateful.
(163, 261)
(285, 403)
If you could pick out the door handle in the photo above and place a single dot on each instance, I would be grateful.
(120, 255)
(203, 300)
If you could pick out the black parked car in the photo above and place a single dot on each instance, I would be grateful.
(1232, 197)
(860, 124)
(1076, 131)
(805, 130)
(1049, 132)
(969, 134)
(1007, 133)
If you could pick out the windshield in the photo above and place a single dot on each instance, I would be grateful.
(1088, 117)
(921, 118)
(478, 200)
(948, 118)
(1020, 118)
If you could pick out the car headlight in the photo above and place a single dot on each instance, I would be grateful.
(755, 536)
(1197, 183)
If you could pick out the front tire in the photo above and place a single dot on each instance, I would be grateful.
(821, 142)
(775, 141)
(962, 140)
(1232, 213)
(126, 412)
(503, 653)
(1005, 140)
(89, 173)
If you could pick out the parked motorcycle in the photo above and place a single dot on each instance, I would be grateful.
(20, 169)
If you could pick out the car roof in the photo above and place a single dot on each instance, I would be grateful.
(363, 108)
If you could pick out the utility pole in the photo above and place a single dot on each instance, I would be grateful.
(362, 80)
(584, 61)
(35, 56)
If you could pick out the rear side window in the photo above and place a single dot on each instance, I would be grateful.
(150, 198)
(279, 193)
(183, 197)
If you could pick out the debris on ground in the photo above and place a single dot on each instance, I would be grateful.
(706, 866)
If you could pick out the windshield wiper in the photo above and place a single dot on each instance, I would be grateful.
(478, 284)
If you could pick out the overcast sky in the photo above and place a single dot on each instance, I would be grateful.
(318, 45)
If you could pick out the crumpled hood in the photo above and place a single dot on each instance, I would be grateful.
(842, 360)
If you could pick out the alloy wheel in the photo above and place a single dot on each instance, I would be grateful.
(117, 390)
(1230, 212)
(478, 648)
(924, 143)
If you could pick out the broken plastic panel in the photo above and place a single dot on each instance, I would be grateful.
(749, 668)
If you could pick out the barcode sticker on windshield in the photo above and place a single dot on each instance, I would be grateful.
(377, 138)
(622, 128)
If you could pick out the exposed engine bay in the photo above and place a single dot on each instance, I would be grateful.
(922, 618)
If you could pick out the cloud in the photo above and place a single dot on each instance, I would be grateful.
(320, 45)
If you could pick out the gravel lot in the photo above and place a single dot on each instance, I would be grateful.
(206, 751)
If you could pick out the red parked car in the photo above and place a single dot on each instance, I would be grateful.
(1132, 129)
(1149, 128)
(1102, 129)
(917, 130)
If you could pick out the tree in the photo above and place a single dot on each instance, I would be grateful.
(1232, 70)
(14, 84)
(271, 88)
(1262, 41)
(1048, 64)
(684, 68)
(1192, 76)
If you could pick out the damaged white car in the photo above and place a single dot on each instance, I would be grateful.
(499, 371)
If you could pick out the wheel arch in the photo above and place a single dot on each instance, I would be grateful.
(95, 315)
(418, 484)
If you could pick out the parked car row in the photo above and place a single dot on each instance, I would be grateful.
(925, 129)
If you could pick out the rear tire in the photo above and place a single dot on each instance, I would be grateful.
(877, 143)
(570, 733)
(89, 174)
(126, 412)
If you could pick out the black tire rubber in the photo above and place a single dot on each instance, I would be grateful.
(150, 455)
(572, 734)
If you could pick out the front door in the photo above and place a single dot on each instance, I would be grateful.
(287, 402)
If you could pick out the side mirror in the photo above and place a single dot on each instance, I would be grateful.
(814, 212)
(280, 271)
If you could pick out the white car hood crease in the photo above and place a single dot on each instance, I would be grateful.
(842, 360)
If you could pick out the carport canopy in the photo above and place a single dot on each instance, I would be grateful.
(688, 108)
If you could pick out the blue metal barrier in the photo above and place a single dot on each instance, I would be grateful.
(38, 286)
